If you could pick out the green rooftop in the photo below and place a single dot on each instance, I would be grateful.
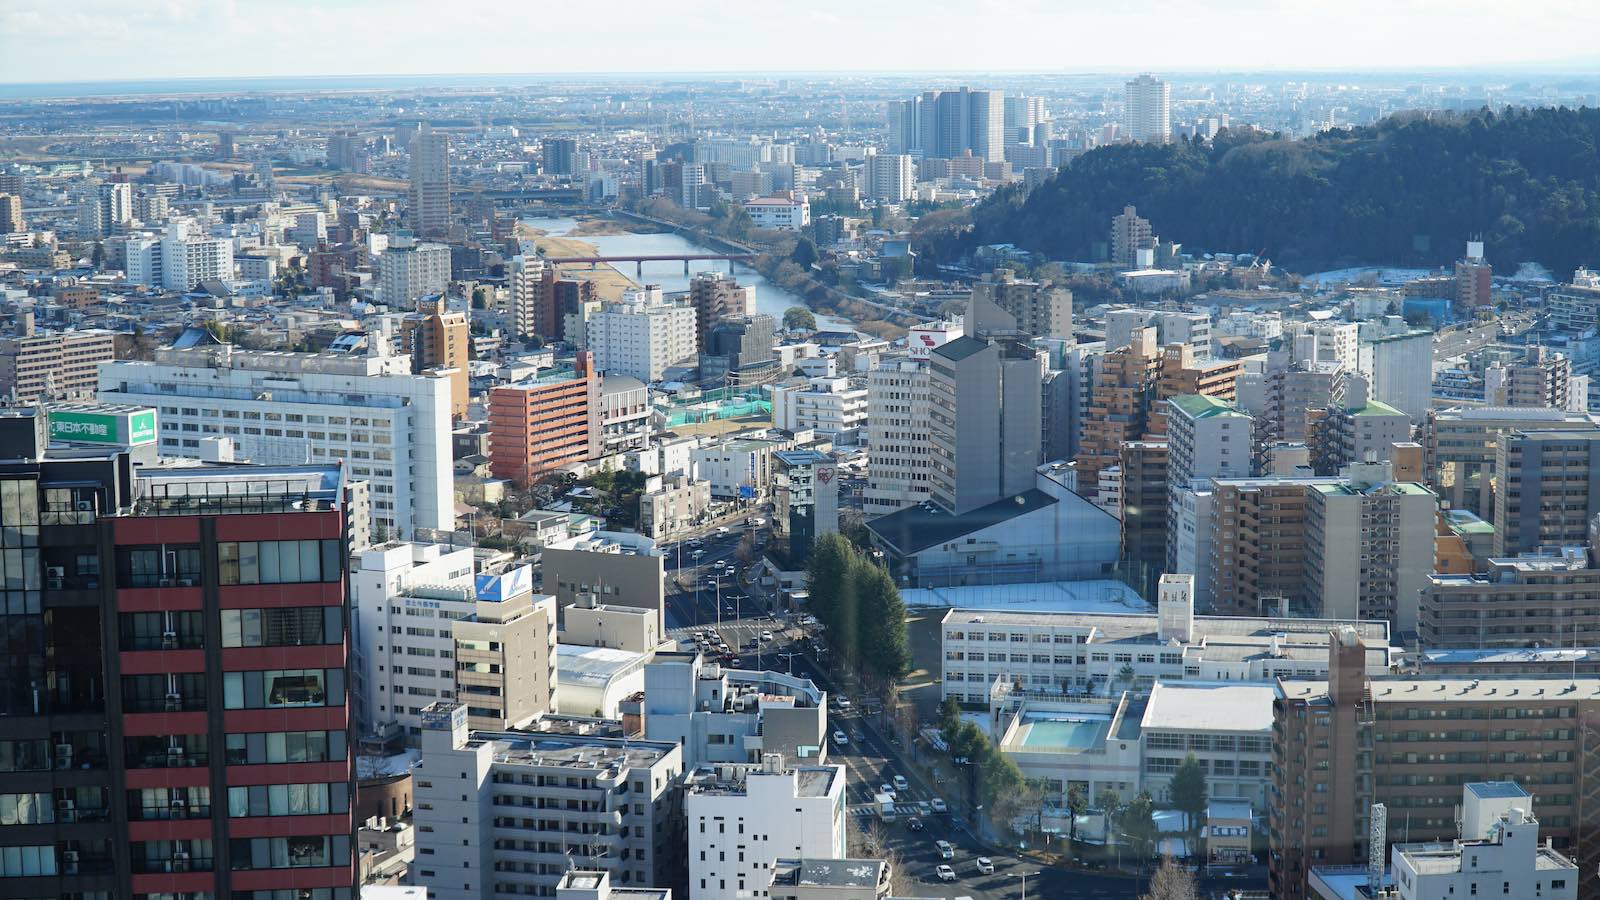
(1376, 408)
(1200, 406)
(1464, 521)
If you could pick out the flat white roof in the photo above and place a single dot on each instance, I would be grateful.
(1209, 706)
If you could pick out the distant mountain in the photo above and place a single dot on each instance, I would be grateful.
(1410, 190)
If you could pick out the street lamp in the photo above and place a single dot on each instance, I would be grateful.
(1025, 876)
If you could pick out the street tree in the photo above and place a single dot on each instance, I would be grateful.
(949, 719)
(1077, 804)
(1188, 789)
(1138, 824)
(883, 648)
(1170, 882)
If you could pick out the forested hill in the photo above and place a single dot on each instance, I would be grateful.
(1409, 190)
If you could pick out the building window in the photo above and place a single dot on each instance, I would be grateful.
(283, 688)
(278, 562)
(286, 627)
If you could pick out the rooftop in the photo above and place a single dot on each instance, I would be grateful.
(838, 873)
(916, 528)
(1201, 406)
(594, 666)
(1209, 706)
(573, 751)
(1458, 689)
(1376, 408)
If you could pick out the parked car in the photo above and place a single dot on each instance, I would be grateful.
(946, 851)
(985, 866)
(945, 873)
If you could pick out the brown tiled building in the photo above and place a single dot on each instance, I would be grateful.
(1410, 743)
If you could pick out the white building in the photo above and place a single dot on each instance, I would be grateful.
(891, 178)
(1192, 328)
(1148, 113)
(389, 427)
(1322, 343)
(642, 335)
(180, 259)
(721, 715)
(1075, 653)
(595, 681)
(740, 468)
(898, 454)
(409, 273)
(501, 813)
(833, 407)
(1226, 725)
(1499, 847)
(779, 213)
(737, 832)
(589, 623)
(1398, 363)
(427, 628)
(1206, 438)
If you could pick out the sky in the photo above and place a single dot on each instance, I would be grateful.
(96, 40)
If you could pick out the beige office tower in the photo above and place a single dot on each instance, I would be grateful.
(430, 183)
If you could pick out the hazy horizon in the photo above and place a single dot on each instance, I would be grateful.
(61, 42)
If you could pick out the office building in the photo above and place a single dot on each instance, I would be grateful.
(739, 350)
(176, 717)
(391, 428)
(538, 805)
(347, 152)
(805, 499)
(1550, 489)
(899, 460)
(642, 335)
(719, 715)
(905, 126)
(11, 220)
(1534, 600)
(545, 422)
(617, 568)
(1042, 310)
(180, 259)
(560, 156)
(1542, 379)
(891, 178)
(714, 297)
(1148, 113)
(429, 194)
(429, 628)
(1461, 446)
(53, 365)
(408, 273)
(734, 837)
(1139, 495)
(437, 339)
(1369, 546)
(1077, 653)
(984, 425)
(1411, 743)
(1498, 844)
(625, 415)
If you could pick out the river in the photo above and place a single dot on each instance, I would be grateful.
(770, 299)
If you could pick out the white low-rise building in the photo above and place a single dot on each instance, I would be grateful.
(1498, 853)
(593, 681)
(740, 823)
(642, 335)
(721, 715)
(779, 213)
(829, 406)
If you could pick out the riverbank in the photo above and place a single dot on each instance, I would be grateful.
(609, 283)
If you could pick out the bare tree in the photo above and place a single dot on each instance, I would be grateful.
(1171, 882)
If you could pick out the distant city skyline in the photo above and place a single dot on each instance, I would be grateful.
(100, 40)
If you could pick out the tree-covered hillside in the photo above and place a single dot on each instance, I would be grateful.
(1409, 190)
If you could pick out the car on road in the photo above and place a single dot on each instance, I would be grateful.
(885, 789)
(900, 783)
(914, 824)
(842, 704)
(697, 554)
(736, 662)
(985, 866)
(766, 635)
(722, 529)
(939, 806)
(945, 873)
(946, 851)
(839, 739)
